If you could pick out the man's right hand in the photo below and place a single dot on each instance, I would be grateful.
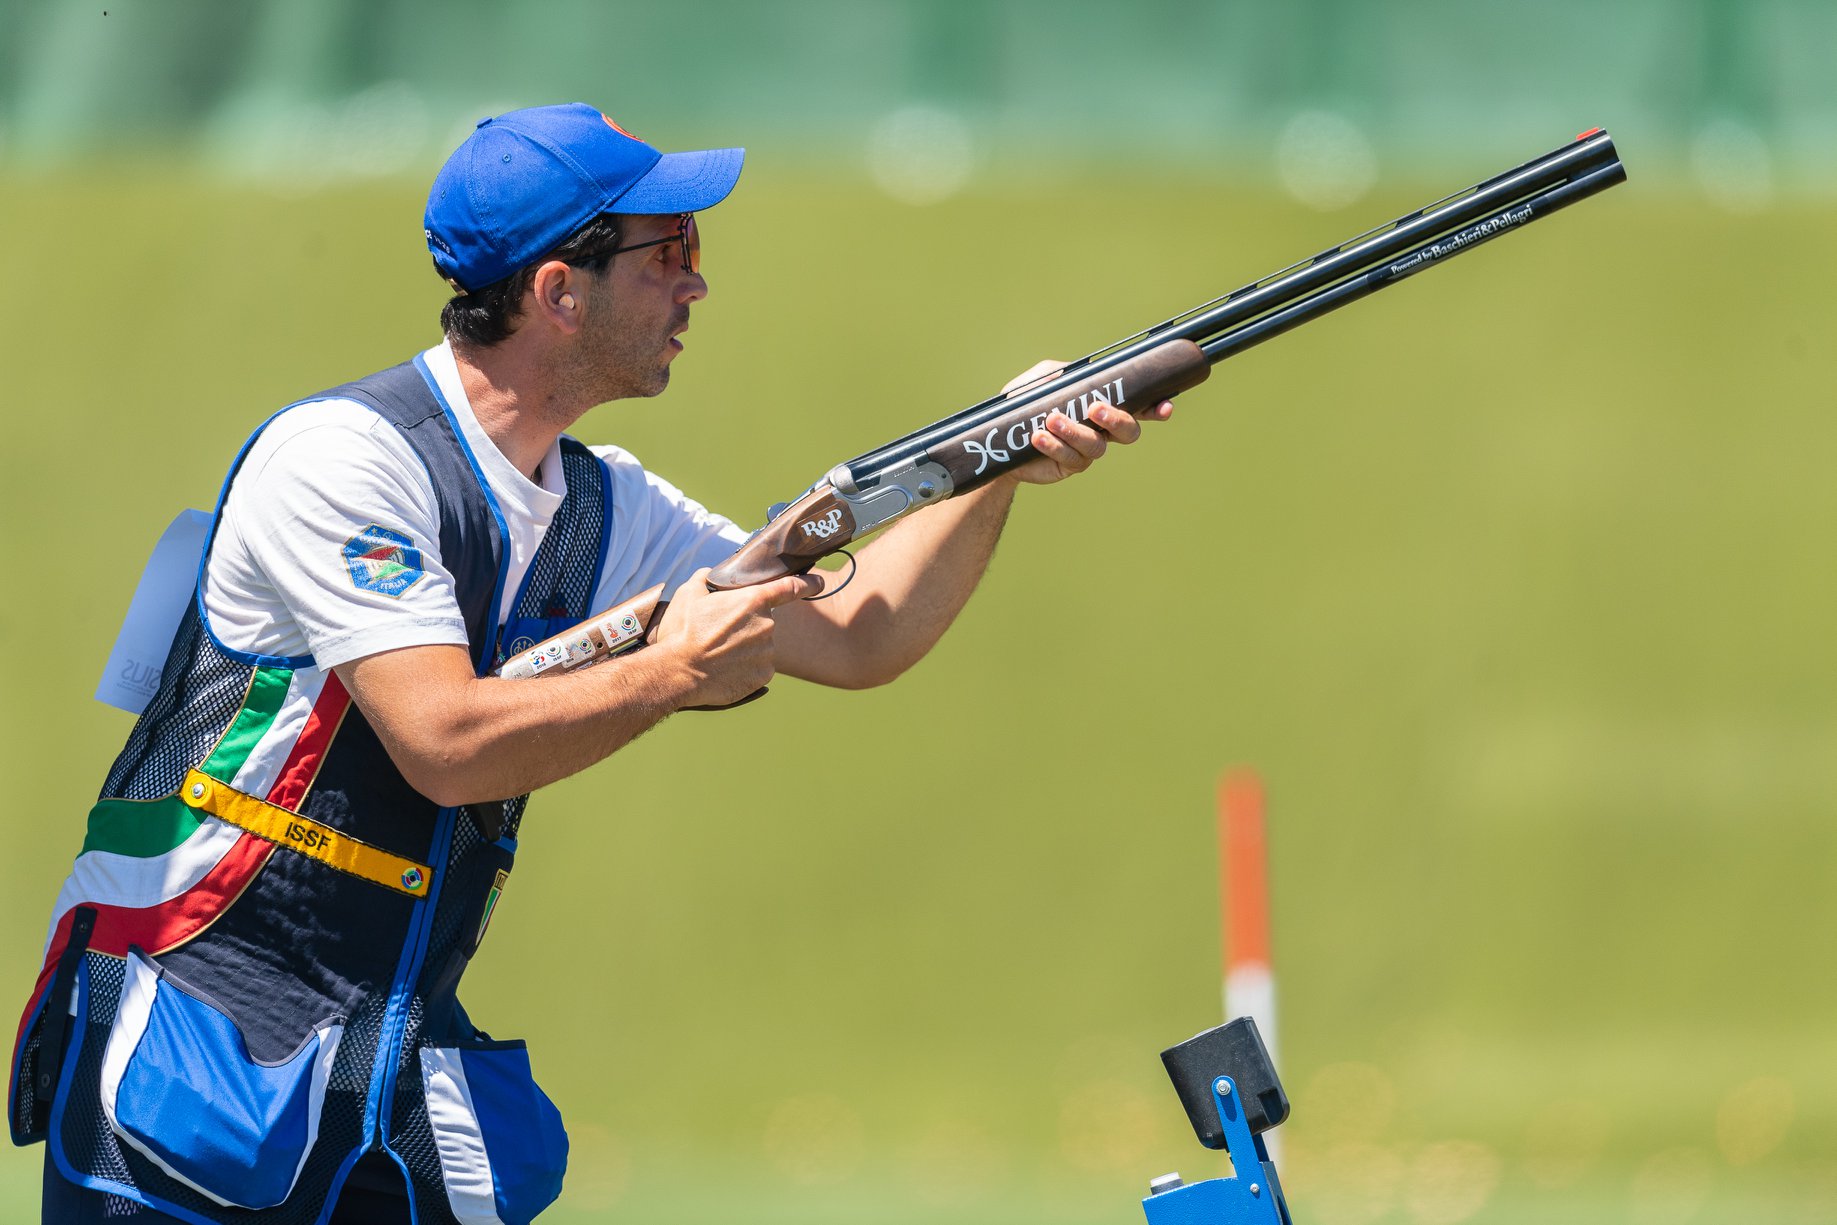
(462, 739)
(723, 640)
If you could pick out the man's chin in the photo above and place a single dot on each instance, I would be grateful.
(644, 391)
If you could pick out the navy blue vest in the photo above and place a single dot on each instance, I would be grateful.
(305, 949)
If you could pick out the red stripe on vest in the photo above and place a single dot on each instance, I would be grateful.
(303, 761)
(154, 928)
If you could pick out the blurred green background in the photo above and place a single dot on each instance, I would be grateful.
(1512, 584)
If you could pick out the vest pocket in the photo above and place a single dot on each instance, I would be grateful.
(179, 1085)
(502, 1148)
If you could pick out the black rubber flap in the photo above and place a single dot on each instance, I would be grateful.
(1234, 1049)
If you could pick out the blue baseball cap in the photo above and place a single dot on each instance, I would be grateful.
(524, 181)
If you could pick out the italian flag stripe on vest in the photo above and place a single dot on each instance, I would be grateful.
(155, 870)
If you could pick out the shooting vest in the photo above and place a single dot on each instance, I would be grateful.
(252, 968)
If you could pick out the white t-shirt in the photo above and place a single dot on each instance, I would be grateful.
(299, 568)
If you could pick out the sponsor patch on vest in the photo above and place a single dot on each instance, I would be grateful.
(383, 561)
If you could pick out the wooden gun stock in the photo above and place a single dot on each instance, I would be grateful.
(796, 538)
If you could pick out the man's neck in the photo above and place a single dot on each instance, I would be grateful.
(515, 401)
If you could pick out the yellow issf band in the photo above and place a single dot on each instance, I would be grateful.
(303, 835)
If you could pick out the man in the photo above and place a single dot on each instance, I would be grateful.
(247, 1009)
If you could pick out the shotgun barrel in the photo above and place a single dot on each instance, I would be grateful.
(1591, 158)
(974, 446)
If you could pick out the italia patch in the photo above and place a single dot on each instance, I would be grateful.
(491, 905)
(383, 561)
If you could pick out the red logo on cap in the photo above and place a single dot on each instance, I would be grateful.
(615, 127)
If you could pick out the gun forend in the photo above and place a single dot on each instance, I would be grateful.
(975, 456)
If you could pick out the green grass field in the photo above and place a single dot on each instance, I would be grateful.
(1514, 583)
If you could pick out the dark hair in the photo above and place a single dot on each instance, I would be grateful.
(486, 316)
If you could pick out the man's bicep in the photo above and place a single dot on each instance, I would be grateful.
(412, 696)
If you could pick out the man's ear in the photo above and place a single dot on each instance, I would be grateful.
(557, 295)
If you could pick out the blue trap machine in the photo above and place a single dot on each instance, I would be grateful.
(1228, 1085)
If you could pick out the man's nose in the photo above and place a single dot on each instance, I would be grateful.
(692, 288)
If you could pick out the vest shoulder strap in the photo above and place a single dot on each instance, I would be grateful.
(469, 542)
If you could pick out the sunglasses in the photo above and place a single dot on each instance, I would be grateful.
(686, 234)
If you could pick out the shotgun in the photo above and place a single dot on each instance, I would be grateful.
(972, 447)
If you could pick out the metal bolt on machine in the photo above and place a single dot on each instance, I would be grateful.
(1228, 1085)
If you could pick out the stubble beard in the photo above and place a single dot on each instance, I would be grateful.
(616, 359)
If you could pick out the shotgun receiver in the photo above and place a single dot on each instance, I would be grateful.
(974, 446)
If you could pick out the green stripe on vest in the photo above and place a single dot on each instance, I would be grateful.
(145, 828)
(140, 828)
(267, 691)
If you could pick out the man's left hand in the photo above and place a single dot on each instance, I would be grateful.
(1068, 447)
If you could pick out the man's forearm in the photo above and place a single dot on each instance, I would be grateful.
(462, 739)
(909, 586)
